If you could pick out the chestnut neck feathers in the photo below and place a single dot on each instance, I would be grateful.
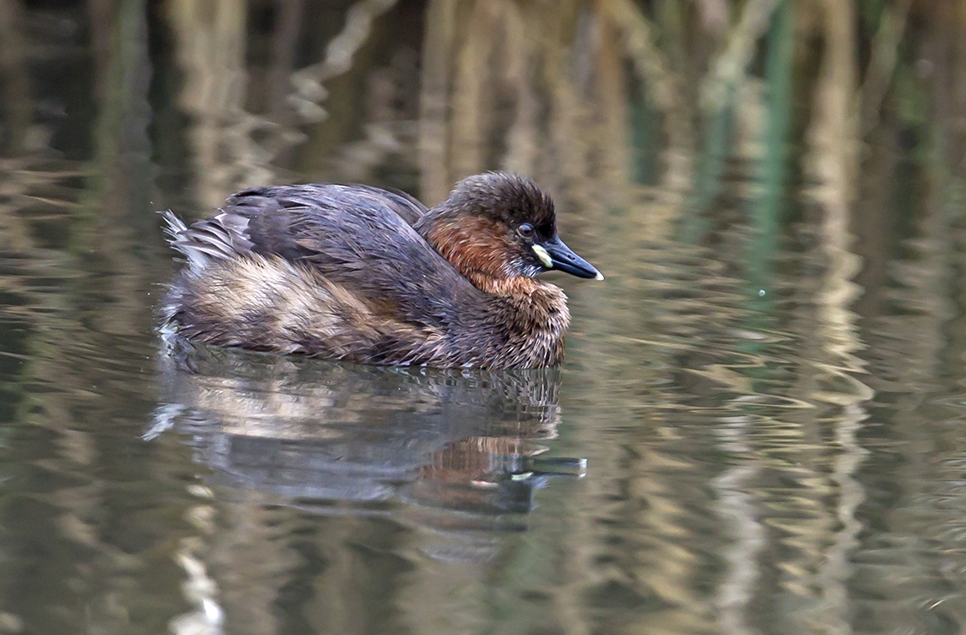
(474, 229)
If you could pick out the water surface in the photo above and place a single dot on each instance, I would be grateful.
(759, 426)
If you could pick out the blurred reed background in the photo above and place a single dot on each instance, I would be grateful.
(806, 158)
(664, 110)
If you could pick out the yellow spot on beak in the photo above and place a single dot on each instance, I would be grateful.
(543, 256)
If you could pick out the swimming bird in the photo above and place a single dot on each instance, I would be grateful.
(358, 273)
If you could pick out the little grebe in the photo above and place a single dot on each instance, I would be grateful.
(366, 275)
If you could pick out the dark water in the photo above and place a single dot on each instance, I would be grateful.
(760, 426)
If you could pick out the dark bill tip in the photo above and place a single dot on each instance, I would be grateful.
(564, 259)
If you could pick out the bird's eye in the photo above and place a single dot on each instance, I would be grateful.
(525, 230)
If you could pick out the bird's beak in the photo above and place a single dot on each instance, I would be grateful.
(554, 254)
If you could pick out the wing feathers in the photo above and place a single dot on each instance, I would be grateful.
(357, 238)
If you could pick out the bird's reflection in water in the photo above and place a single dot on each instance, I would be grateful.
(455, 449)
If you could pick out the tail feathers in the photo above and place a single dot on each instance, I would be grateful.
(173, 225)
(222, 237)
